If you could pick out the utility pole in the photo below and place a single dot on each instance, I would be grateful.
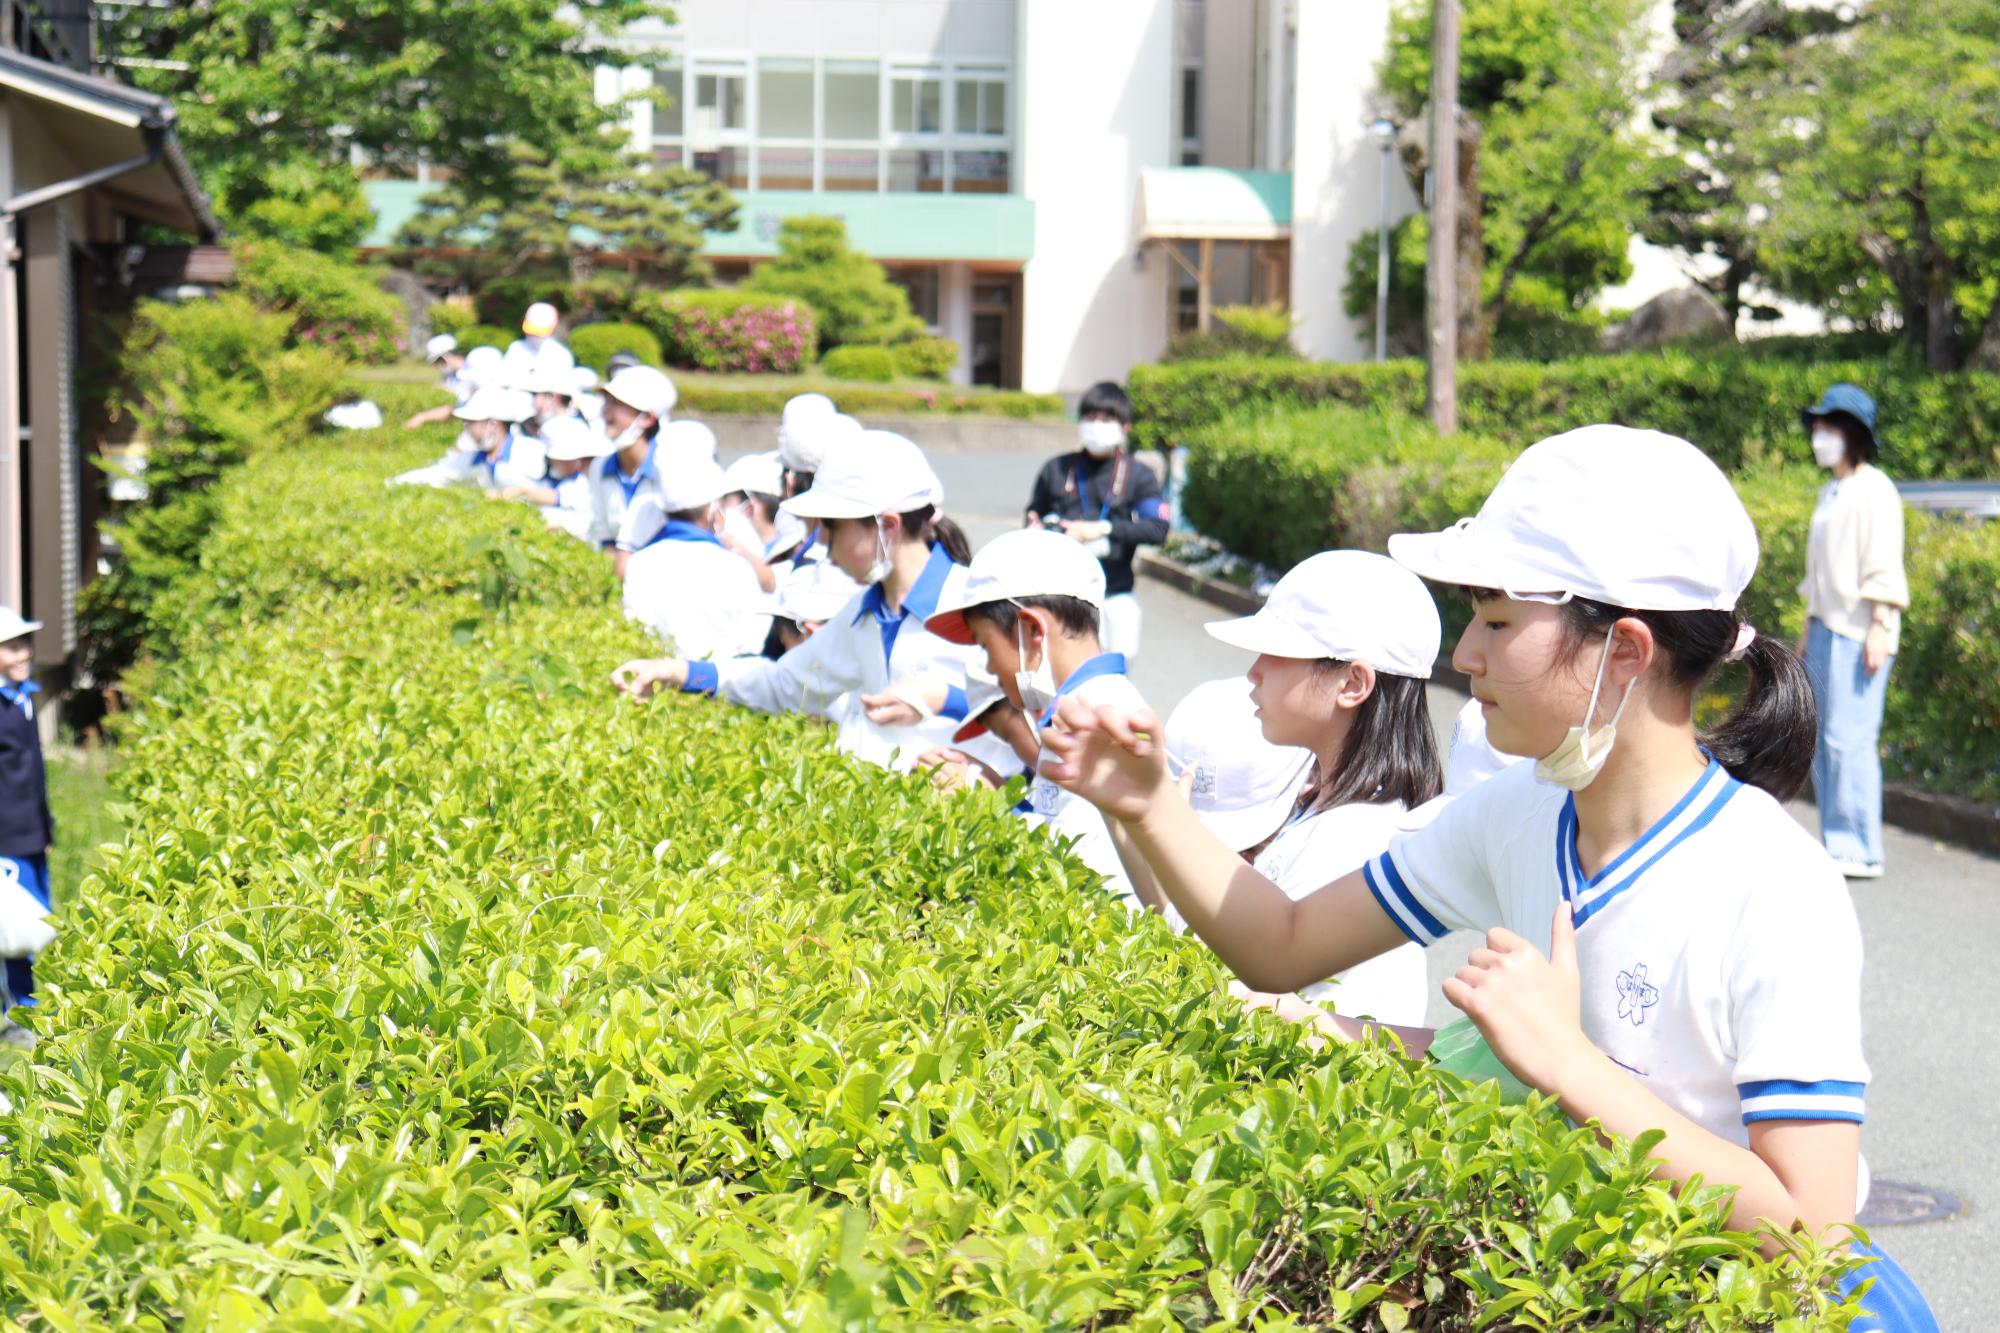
(1442, 270)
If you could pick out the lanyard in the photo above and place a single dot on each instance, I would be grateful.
(1079, 482)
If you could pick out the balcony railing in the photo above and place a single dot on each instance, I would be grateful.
(63, 32)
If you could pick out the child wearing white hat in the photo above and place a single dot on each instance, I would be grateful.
(442, 351)
(810, 429)
(1666, 948)
(678, 444)
(564, 494)
(637, 400)
(879, 500)
(1030, 602)
(699, 596)
(26, 829)
(494, 451)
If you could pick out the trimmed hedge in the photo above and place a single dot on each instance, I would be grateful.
(1743, 411)
(926, 358)
(438, 988)
(699, 399)
(485, 335)
(1277, 487)
(594, 345)
(332, 303)
(869, 365)
(730, 330)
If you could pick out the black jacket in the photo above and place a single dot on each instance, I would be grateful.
(1120, 490)
(25, 827)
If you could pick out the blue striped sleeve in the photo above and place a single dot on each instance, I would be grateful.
(1793, 1099)
(1393, 893)
(955, 704)
(702, 678)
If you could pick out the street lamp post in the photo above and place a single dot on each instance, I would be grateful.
(1384, 131)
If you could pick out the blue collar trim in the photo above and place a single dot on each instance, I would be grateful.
(1696, 809)
(1104, 664)
(920, 601)
(680, 530)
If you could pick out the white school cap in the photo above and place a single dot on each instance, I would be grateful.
(483, 365)
(757, 474)
(808, 434)
(582, 379)
(814, 592)
(686, 441)
(1355, 606)
(570, 438)
(438, 346)
(690, 483)
(546, 376)
(540, 321)
(643, 389)
(12, 626)
(1030, 562)
(1632, 518)
(877, 472)
(1244, 786)
(490, 402)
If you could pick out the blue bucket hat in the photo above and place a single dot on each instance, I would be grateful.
(1847, 399)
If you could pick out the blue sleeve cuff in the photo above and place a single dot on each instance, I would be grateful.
(1395, 898)
(1794, 1099)
(955, 704)
(702, 678)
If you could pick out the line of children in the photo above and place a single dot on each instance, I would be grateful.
(1666, 949)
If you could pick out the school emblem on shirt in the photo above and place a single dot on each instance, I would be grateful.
(1636, 995)
(1046, 797)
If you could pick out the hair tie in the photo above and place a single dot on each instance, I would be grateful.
(1746, 634)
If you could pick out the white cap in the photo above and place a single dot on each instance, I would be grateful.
(545, 375)
(1352, 605)
(815, 592)
(877, 472)
(690, 483)
(686, 440)
(490, 402)
(757, 474)
(540, 321)
(1244, 786)
(643, 389)
(438, 345)
(810, 428)
(13, 627)
(801, 410)
(483, 365)
(582, 379)
(1633, 518)
(570, 438)
(1029, 562)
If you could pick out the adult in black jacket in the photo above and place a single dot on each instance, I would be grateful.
(26, 830)
(1102, 496)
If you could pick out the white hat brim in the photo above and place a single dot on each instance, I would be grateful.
(1265, 633)
(808, 504)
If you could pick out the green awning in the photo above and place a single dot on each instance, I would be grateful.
(1214, 203)
(985, 228)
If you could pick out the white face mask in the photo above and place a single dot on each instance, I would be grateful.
(1100, 438)
(1576, 762)
(1828, 446)
(1037, 688)
(880, 569)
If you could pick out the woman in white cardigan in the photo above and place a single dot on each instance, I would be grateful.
(1855, 592)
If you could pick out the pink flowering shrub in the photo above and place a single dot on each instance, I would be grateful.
(731, 331)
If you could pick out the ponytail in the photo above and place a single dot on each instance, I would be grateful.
(937, 530)
(1768, 741)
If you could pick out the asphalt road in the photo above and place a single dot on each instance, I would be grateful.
(1934, 1100)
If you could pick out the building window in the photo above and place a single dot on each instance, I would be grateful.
(780, 167)
(850, 168)
(785, 99)
(853, 100)
(721, 101)
(729, 166)
(1191, 115)
(981, 94)
(916, 170)
(981, 171)
(669, 101)
(916, 101)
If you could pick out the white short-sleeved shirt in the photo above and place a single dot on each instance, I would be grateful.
(613, 493)
(571, 511)
(1100, 682)
(1719, 955)
(1472, 758)
(699, 596)
(521, 460)
(1314, 850)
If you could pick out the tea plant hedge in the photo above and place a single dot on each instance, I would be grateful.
(434, 988)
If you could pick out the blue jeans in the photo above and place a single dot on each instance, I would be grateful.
(1893, 1304)
(34, 873)
(1847, 762)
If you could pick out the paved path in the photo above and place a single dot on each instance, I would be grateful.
(1930, 927)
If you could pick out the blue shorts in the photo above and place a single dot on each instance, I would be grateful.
(1893, 1304)
(34, 876)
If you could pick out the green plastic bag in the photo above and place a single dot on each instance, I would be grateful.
(1459, 1048)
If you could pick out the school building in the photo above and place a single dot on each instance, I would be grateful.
(1060, 184)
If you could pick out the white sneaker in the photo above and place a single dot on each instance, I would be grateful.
(1859, 869)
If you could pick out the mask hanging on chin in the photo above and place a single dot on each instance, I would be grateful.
(880, 569)
(1037, 688)
(1828, 446)
(1576, 762)
(1100, 439)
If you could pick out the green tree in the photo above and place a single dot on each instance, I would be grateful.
(272, 95)
(1892, 208)
(1547, 92)
(850, 293)
(593, 211)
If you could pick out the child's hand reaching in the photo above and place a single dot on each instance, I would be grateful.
(643, 676)
(1113, 759)
(1525, 1005)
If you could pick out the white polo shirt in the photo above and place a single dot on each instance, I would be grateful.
(699, 596)
(1315, 849)
(613, 493)
(521, 460)
(571, 511)
(1099, 682)
(1472, 759)
(863, 650)
(1720, 955)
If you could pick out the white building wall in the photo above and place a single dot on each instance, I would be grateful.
(1336, 169)
(1096, 83)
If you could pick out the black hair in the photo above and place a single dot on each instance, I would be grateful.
(1768, 741)
(1861, 447)
(694, 515)
(1106, 396)
(801, 482)
(1073, 614)
(937, 530)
